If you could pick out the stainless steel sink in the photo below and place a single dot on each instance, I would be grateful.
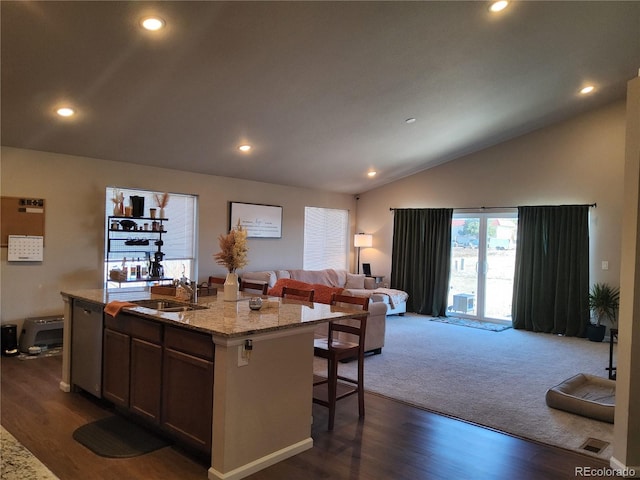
(183, 308)
(168, 305)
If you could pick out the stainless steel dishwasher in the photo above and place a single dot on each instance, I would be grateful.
(86, 347)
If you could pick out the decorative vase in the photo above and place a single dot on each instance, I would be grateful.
(231, 287)
(162, 212)
(116, 209)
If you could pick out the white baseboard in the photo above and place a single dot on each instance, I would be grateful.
(261, 463)
(65, 387)
(625, 470)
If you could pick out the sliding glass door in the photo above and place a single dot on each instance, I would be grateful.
(482, 265)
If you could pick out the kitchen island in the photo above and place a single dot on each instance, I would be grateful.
(262, 395)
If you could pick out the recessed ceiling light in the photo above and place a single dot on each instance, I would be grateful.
(244, 148)
(372, 173)
(410, 120)
(65, 111)
(152, 23)
(499, 6)
(587, 89)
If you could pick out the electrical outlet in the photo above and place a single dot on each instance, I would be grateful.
(605, 265)
(243, 359)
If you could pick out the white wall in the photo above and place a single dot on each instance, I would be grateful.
(74, 191)
(579, 161)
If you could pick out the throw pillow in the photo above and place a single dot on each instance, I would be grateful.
(355, 281)
(283, 274)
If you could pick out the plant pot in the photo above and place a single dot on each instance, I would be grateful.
(595, 333)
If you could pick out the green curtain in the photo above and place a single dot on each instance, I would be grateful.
(551, 283)
(421, 258)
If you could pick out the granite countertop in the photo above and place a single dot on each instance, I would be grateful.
(223, 318)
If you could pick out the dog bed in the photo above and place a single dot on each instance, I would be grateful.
(585, 395)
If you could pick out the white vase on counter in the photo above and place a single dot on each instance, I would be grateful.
(231, 287)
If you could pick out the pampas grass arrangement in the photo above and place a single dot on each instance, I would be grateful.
(233, 250)
(162, 199)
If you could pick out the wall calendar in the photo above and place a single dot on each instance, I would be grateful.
(25, 248)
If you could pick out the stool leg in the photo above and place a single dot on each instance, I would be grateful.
(333, 388)
(361, 383)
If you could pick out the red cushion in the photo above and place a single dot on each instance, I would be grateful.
(322, 292)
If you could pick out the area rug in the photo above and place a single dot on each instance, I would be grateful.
(497, 381)
(465, 322)
(116, 437)
(18, 463)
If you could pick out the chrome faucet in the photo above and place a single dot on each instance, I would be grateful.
(190, 287)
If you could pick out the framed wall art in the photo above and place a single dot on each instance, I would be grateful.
(260, 221)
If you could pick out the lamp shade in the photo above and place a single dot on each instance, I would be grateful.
(362, 240)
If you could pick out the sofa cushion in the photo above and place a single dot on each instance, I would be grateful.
(322, 292)
(355, 281)
(282, 274)
(370, 283)
(268, 277)
(328, 276)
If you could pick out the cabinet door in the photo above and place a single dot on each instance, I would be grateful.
(146, 379)
(115, 368)
(187, 398)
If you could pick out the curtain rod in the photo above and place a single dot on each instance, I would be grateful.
(593, 205)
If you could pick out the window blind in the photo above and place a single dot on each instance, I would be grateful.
(325, 238)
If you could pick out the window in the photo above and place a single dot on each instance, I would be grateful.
(326, 242)
(483, 257)
(179, 241)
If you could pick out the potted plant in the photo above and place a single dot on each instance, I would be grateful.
(603, 303)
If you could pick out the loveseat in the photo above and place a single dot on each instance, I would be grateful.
(381, 301)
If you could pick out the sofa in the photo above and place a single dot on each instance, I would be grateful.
(350, 283)
(382, 302)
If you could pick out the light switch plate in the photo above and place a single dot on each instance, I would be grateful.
(243, 360)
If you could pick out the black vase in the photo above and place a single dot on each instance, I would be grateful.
(595, 333)
(137, 206)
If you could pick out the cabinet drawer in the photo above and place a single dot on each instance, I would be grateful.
(193, 343)
(146, 329)
(119, 323)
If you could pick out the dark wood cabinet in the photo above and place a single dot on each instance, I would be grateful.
(132, 364)
(161, 373)
(116, 367)
(146, 379)
(187, 398)
(187, 387)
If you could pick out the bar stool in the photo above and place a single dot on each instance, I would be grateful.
(337, 349)
(257, 287)
(298, 294)
(217, 281)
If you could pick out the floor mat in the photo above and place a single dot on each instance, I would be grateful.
(46, 352)
(116, 437)
(465, 322)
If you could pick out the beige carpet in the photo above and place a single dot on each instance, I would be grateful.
(495, 379)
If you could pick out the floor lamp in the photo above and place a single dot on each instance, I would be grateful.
(362, 240)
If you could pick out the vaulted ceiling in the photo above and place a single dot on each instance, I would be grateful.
(322, 91)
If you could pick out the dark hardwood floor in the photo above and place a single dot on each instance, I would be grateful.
(395, 441)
